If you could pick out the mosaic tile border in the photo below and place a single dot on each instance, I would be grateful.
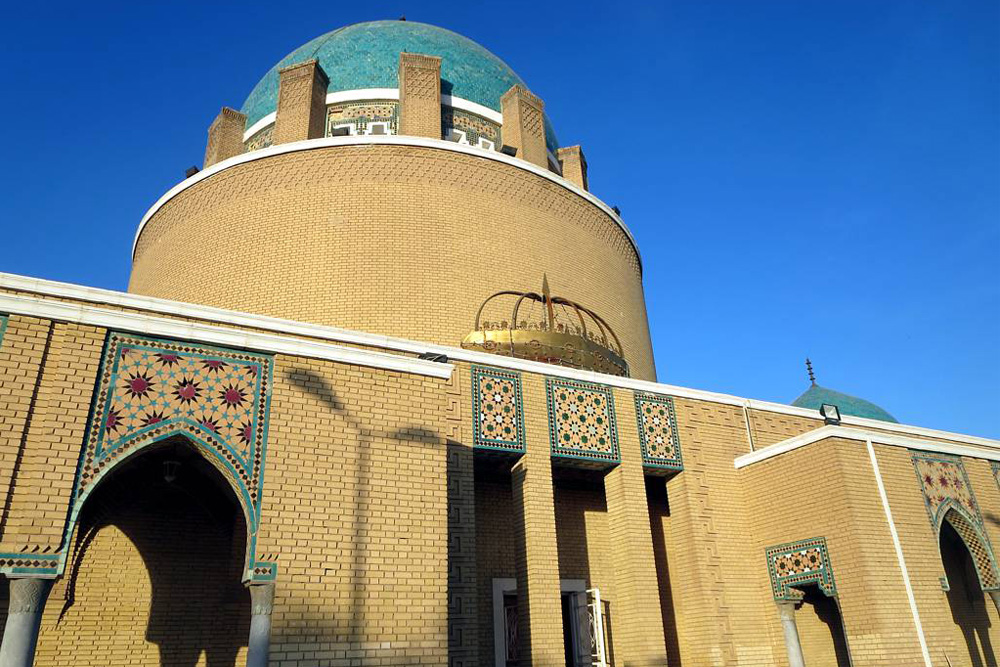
(3, 327)
(945, 486)
(504, 407)
(114, 432)
(995, 465)
(645, 404)
(799, 563)
(567, 424)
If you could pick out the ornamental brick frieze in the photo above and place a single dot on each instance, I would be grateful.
(948, 496)
(657, 424)
(797, 564)
(149, 390)
(582, 424)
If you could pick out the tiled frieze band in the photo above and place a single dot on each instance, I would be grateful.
(948, 496)
(582, 421)
(151, 389)
(797, 564)
(657, 424)
(497, 409)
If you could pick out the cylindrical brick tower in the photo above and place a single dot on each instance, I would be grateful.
(389, 177)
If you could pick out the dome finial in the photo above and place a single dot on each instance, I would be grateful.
(809, 368)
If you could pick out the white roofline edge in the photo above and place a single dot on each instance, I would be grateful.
(295, 328)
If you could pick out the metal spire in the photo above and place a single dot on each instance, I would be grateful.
(809, 368)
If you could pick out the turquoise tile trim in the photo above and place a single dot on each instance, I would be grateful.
(151, 389)
(366, 55)
(3, 327)
(497, 410)
(582, 421)
(797, 564)
(995, 465)
(38, 565)
(657, 424)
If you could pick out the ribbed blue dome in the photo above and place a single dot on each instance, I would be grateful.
(366, 55)
(816, 396)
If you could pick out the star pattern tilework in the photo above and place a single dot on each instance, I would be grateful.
(497, 409)
(944, 482)
(149, 389)
(800, 563)
(661, 447)
(582, 421)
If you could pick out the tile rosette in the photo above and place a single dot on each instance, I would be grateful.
(658, 437)
(498, 410)
(582, 421)
(797, 564)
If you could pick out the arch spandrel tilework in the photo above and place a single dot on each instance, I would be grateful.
(149, 390)
(582, 422)
(948, 496)
(658, 436)
(798, 564)
(497, 410)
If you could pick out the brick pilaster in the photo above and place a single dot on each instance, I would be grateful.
(301, 103)
(225, 136)
(574, 165)
(524, 125)
(420, 95)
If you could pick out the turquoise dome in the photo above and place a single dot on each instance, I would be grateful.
(366, 55)
(816, 396)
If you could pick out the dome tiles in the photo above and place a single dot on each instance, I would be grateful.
(366, 55)
(816, 396)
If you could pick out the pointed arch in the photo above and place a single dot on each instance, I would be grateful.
(975, 541)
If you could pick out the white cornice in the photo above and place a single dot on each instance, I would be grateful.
(385, 140)
(142, 323)
(365, 94)
(335, 334)
(983, 448)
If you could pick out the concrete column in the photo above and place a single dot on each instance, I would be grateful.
(225, 136)
(786, 612)
(995, 596)
(301, 103)
(638, 631)
(262, 603)
(539, 605)
(524, 125)
(24, 616)
(420, 95)
(574, 165)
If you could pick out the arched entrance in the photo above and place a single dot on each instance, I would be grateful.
(970, 607)
(155, 570)
(821, 630)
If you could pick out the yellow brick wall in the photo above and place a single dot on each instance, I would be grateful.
(398, 240)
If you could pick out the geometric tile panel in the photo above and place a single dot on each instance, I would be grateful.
(799, 563)
(948, 496)
(944, 484)
(150, 389)
(661, 447)
(582, 421)
(498, 410)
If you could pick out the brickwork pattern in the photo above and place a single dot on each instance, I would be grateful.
(420, 95)
(523, 115)
(225, 136)
(334, 216)
(301, 110)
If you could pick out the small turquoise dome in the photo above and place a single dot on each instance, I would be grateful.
(366, 55)
(816, 396)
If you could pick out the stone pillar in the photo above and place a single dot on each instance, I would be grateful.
(301, 103)
(786, 612)
(225, 136)
(259, 645)
(539, 606)
(420, 95)
(524, 125)
(638, 625)
(24, 616)
(574, 166)
(995, 596)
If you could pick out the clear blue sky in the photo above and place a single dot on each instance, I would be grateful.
(804, 178)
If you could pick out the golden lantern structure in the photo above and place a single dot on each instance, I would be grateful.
(546, 328)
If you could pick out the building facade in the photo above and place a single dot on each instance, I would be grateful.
(382, 393)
